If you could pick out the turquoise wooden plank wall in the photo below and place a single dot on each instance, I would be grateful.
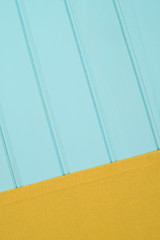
(79, 85)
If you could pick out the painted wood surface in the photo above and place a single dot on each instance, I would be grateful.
(79, 86)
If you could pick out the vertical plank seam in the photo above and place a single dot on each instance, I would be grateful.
(90, 81)
(9, 152)
(137, 72)
(50, 117)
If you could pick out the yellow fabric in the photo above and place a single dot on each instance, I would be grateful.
(119, 201)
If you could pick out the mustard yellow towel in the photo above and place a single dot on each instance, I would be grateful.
(119, 201)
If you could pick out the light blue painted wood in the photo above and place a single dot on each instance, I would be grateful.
(114, 77)
(142, 22)
(21, 104)
(6, 177)
(66, 85)
(76, 88)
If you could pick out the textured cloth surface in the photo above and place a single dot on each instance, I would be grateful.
(119, 201)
